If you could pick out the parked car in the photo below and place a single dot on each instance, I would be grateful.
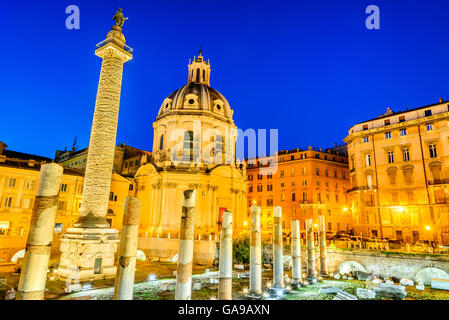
(421, 246)
(394, 244)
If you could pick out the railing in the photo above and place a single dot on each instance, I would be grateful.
(438, 181)
(109, 40)
(362, 188)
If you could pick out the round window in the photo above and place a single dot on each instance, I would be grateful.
(166, 106)
(218, 107)
(191, 101)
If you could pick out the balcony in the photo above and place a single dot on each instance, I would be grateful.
(437, 182)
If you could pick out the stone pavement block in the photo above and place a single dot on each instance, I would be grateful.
(440, 284)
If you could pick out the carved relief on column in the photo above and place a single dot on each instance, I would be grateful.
(166, 214)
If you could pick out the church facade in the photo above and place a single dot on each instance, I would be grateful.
(193, 148)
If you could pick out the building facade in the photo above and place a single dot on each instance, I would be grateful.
(127, 159)
(19, 174)
(399, 167)
(306, 184)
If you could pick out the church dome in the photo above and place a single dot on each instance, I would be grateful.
(197, 97)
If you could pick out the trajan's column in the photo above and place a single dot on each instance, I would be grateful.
(87, 250)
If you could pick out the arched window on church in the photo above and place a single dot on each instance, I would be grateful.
(187, 151)
(219, 149)
(204, 75)
(161, 142)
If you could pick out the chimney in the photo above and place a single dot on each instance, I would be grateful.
(441, 100)
(2, 147)
(310, 148)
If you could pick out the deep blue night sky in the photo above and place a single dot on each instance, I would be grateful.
(309, 68)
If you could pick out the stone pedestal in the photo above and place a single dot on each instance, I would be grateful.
(88, 253)
(225, 269)
(311, 268)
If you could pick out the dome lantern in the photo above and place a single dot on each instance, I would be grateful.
(199, 70)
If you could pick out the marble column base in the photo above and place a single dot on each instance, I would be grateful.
(81, 251)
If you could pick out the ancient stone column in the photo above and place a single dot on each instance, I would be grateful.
(35, 265)
(311, 270)
(278, 258)
(225, 269)
(255, 280)
(322, 237)
(100, 155)
(126, 269)
(185, 253)
(92, 222)
(296, 253)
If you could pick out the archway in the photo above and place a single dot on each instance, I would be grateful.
(426, 274)
(18, 255)
(349, 267)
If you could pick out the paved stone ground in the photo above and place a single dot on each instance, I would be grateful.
(55, 288)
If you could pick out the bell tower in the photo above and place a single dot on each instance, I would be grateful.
(88, 249)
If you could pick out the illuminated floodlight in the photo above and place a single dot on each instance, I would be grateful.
(87, 286)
